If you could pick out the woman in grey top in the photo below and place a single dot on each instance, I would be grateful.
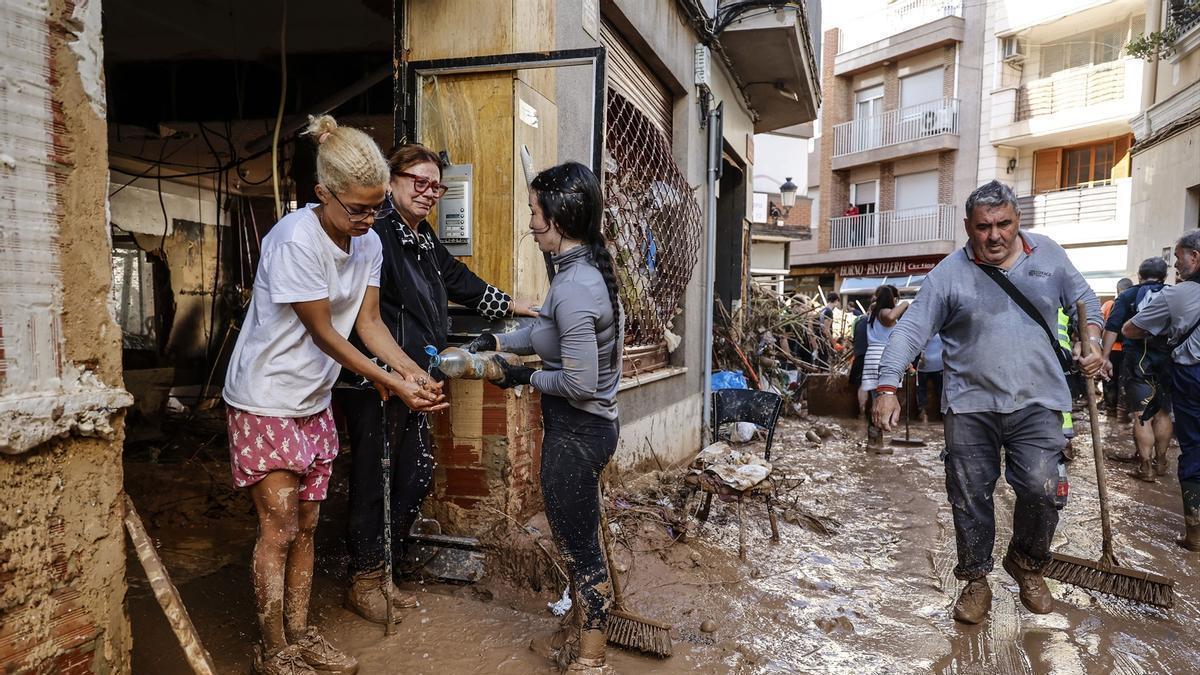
(578, 335)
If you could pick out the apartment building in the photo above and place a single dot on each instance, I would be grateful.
(1166, 152)
(777, 228)
(1059, 90)
(898, 144)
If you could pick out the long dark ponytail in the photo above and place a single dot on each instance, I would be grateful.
(570, 198)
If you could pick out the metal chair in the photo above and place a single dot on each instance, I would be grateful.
(745, 405)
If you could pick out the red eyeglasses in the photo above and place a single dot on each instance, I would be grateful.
(422, 184)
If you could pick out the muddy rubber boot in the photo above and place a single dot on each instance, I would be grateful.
(1191, 515)
(591, 653)
(322, 656)
(974, 602)
(366, 598)
(553, 645)
(286, 661)
(1035, 595)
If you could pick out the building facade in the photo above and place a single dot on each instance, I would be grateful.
(1166, 151)
(897, 148)
(1059, 91)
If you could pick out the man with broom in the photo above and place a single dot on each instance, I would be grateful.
(995, 303)
(1175, 313)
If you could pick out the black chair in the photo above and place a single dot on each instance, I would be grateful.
(745, 405)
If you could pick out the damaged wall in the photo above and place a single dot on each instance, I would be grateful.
(62, 560)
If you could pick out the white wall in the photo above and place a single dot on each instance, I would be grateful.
(778, 157)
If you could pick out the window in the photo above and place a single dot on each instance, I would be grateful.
(1095, 163)
(915, 190)
(863, 196)
(1088, 48)
(921, 87)
(868, 102)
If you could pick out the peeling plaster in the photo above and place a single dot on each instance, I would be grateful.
(82, 406)
(85, 26)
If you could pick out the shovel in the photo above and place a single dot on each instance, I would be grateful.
(908, 440)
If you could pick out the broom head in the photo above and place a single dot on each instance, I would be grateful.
(1122, 582)
(635, 632)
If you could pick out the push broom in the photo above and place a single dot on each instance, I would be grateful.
(1106, 575)
(626, 629)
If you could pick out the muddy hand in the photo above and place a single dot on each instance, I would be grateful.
(416, 397)
(524, 307)
(1095, 365)
(886, 411)
(423, 380)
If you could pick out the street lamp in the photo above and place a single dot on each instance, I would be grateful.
(787, 195)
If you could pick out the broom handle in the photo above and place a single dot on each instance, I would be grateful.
(605, 535)
(1085, 347)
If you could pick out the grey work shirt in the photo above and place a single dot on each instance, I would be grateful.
(995, 358)
(574, 335)
(1174, 311)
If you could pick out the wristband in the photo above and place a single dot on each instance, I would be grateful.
(885, 389)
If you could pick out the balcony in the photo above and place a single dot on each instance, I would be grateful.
(889, 228)
(1080, 215)
(894, 20)
(915, 130)
(1105, 93)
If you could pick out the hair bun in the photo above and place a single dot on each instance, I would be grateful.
(320, 127)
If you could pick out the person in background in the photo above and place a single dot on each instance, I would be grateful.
(579, 336)
(856, 368)
(318, 277)
(825, 322)
(885, 312)
(1146, 376)
(929, 375)
(1112, 388)
(418, 279)
(1175, 314)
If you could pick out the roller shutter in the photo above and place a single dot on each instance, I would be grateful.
(630, 77)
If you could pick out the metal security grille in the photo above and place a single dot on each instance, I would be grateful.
(651, 219)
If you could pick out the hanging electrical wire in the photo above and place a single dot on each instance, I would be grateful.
(279, 113)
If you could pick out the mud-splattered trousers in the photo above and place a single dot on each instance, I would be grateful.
(1033, 444)
(412, 473)
(1185, 382)
(575, 449)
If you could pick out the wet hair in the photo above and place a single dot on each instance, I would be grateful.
(1124, 284)
(1153, 269)
(405, 157)
(346, 157)
(570, 198)
(885, 298)
(992, 194)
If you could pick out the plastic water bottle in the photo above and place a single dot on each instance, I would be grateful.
(458, 363)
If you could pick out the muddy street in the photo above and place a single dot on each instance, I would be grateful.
(861, 582)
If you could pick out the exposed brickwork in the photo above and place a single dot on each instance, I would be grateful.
(835, 109)
(946, 177)
(800, 217)
(887, 187)
(891, 87)
(948, 71)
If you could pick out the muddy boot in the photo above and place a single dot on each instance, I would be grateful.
(591, 653)
(973, 602)
(1162, 465)
(366, 598)
(923, 418)
(322, 656)
(554, 645)
(286, 661)
(1034, 593)
(1191, 515)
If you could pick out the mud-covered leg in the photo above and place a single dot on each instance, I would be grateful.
(300, 571)
(276, 499)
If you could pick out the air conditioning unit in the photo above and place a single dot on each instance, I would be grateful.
(1012, 49)
(937, 122)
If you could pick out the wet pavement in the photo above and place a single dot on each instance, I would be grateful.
(861, 582)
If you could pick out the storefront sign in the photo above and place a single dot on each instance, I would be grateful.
(887, 268)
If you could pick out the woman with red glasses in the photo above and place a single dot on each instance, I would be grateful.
(418, 279)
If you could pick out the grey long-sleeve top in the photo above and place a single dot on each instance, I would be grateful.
(995, 358)
(574, 335)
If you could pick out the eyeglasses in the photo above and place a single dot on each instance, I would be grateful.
(422, 184)
(382, 211)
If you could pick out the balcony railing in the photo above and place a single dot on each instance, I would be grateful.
(906, 226)
(895, 19)
(1072, 89)
(896, 126)
(1093, 205)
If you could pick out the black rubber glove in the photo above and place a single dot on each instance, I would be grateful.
(486, 342)
(513, 375)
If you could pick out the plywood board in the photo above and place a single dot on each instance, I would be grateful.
(471, 117)
(532, 31)
(531, 279)
(457, 28)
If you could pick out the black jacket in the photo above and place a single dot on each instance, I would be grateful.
(419, 276)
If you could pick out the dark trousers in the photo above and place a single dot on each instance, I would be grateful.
(1033, 443)
(412, 473)
(1112, 388)
(1185, 385)
(926, 381)
(576, 446)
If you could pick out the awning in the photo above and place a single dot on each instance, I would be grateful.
(909, 283)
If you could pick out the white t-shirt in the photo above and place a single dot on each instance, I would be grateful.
(276, 369)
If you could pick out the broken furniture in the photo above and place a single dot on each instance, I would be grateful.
(742, 405)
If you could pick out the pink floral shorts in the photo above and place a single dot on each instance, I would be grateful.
(305, 446)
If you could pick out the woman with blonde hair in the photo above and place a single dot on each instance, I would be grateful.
(317, 278)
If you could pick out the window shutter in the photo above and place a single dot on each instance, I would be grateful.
(1121, 168)
(633, 80)
(1046, 171)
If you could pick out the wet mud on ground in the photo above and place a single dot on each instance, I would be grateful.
(861, 582)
